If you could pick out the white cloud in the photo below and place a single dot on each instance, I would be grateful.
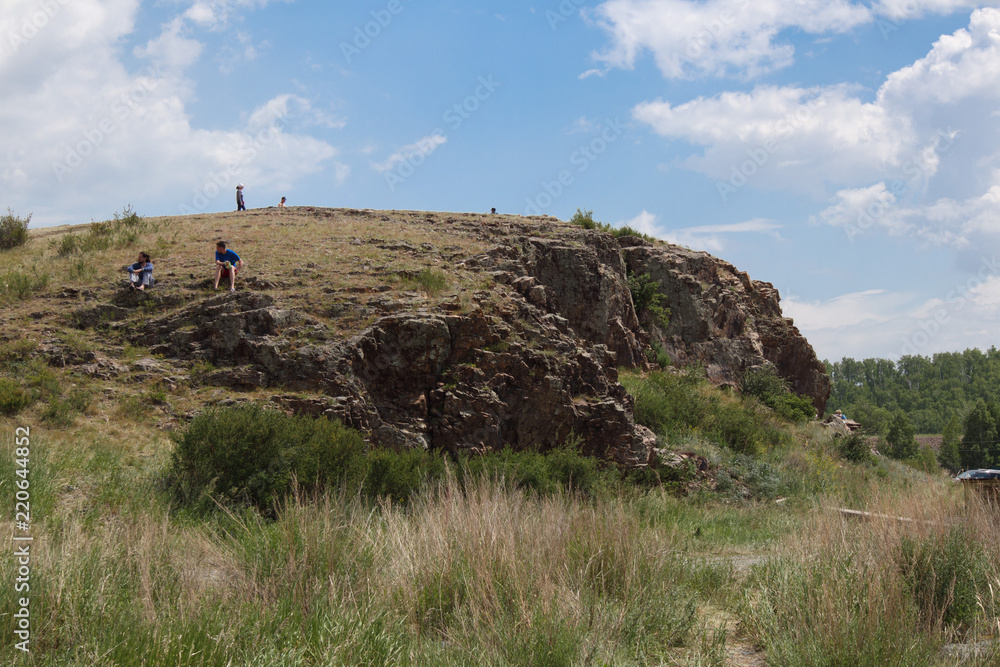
(417, 151)
(879, 323)
(712, 238)
(83, 133)
(716, 37)
(215, 14)
(923, 154)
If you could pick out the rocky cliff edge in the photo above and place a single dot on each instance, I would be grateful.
(517, 343)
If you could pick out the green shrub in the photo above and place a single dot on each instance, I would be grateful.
(667, 403)
(122, 230)
(946, 573)
(648, 300)
(248, 455)
(13, 398)
(400, 475)
(854, 447)
(561, 469)
(748, 477)
(657, 355)
(764, 384)
(13, 230)
(742, 429)
(586, 220)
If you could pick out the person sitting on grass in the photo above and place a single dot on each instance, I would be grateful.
(140, 274)
(227, 264)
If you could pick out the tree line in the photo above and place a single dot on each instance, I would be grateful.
(956, 394)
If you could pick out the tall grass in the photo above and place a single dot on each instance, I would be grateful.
(481, 574)
(888, 591)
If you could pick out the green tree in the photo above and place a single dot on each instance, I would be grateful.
(948, 455)
(979, 437)
(902, 443)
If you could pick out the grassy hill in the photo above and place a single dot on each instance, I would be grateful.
(726, 550)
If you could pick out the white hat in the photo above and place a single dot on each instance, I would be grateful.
(239, 187)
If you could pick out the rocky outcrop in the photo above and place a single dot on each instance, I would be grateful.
(529, 362)
(722, 319)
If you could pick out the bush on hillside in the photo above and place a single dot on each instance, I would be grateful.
(764, 384)
(854, 447)
(249, 455)
(13, 230)
(121, 231)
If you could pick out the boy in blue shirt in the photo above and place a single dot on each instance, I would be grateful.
(227, 263)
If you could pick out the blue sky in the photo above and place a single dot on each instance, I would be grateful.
(848, 152)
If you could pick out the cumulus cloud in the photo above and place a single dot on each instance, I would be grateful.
(922, 157)
(717, 37)
(85, 133)
(739, 37)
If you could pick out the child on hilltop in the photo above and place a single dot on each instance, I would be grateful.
(227, 264)
(240, 206)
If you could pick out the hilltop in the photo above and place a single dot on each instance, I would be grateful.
(443, 330)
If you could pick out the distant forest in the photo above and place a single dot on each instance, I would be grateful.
(929, 390)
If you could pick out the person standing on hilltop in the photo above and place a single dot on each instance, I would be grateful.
(227, 264)
(240, 206)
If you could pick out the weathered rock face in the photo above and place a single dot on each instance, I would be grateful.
(721, 318)
(528, 363)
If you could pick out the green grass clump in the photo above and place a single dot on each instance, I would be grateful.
(428, 281)
(13, 230)
(17, 285)
(948, 576)
(13, 398)
(586, 220)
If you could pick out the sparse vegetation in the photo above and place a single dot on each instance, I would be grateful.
(586, 220)
(123, 230)
(18, 285)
